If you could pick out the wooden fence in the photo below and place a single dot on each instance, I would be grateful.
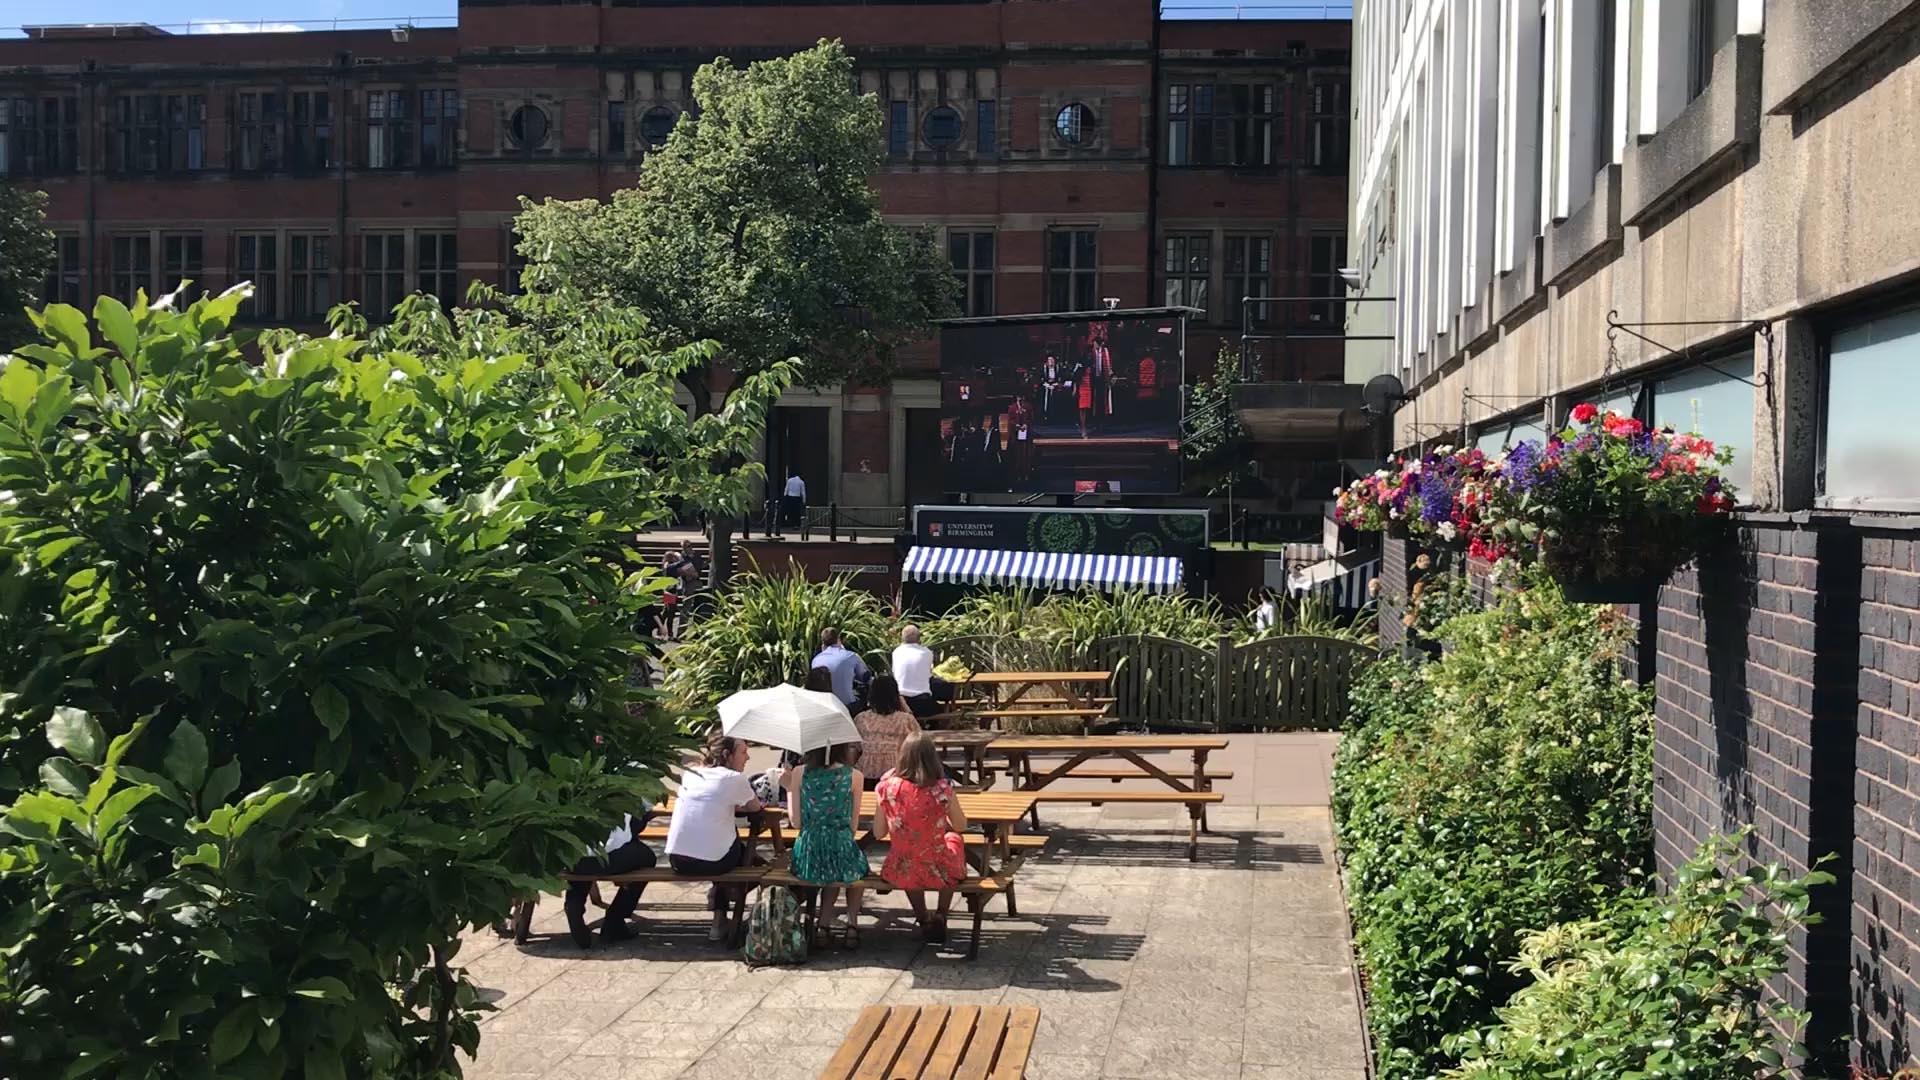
(1274, 684)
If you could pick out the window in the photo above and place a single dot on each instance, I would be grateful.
(971, 252)
(898, 130)
(1329, 130)
(527, 127)
(257, 117)
(439, 266)
(1189, 270)
(1714, 399)
(1713, 26)
(158, 133)
(1872, 447)
(383, 273)
(1072, 269)
(132, 265)
(256, 258)
(62, 284)
(1074, 124)
(1326, 254)
(1502, 434)
(309, 277)
(1250, 273)
(616, 129)
(181, 260)
(390, 129)
(941, 128)
(657, 126)
(39, 136)
(1221, 124)
(312, 131)
(439, 123)
(986, 128)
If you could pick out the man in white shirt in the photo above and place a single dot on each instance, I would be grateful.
(913, 670)
(625, 853)
(793, 500)
(1267, 613)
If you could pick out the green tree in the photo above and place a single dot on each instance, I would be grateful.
(757, 227)
(26, 254)
(310, 665)
(1219, 461)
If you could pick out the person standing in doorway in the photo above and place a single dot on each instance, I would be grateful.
(793, 500)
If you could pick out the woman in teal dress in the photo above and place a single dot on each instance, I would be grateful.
(821, 807)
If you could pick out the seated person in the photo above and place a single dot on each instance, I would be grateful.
(886, 723)
(703, 839)
(625, 853)
(921, 820)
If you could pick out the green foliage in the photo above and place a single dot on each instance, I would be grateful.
(1214, 444)
(756, 226)
(1665, 985)
(1503, 789)
(381, 593)
(1310, 616)
(1061, 626)
(765, 630)
(26, 254)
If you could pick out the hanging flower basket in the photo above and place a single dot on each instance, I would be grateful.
(1429, 499)
(1609, 507)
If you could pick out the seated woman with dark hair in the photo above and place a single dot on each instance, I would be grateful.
(886, 723)
(703, 839)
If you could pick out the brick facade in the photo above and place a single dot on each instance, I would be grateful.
(570, 71)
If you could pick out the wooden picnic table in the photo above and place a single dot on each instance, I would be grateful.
(936, 1042)
(994, 812)
(973, 746)
(999, 695)
(1195, 791)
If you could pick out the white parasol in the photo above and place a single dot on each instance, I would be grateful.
(788, 718)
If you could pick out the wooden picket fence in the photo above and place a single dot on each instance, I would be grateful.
(1293, 683)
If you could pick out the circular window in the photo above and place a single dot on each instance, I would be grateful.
(527, 127)
(1074, 124)
(656, 125)
(941, 128)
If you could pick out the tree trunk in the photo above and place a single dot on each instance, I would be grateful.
(719, 520)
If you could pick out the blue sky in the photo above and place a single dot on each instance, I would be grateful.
(247, 14)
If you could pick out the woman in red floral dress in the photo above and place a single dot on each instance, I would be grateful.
(922, 821)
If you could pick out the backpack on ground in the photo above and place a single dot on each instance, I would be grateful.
(775, 932)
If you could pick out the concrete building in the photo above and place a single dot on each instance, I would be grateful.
(1701, 211)
(1069, 150)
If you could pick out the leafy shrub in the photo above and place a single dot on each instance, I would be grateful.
(765, 629)
(378, 592)
(1062, 625)
(1659, 985)
(1501, 790)
(1313, 617)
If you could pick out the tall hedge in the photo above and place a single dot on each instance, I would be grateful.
(1503, 789)
(311, 663)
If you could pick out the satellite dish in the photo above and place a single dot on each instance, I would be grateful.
(1381, 392)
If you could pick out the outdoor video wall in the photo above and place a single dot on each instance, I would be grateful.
(1080, 404)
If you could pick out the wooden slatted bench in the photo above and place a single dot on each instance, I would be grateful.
(1196, 803)
(1117, 775)
(747, 876)
(936, 1042)
(976, 888)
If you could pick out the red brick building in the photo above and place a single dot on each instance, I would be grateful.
(1069, 150)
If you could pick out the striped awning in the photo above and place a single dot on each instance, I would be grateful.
(1040, 569)
(1346, 588)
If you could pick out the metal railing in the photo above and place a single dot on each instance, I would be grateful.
(836, 521)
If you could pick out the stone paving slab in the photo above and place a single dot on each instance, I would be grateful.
(1236, 967)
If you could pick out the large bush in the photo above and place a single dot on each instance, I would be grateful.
(765, 629)
(311, 664)
(1501, 790)
(1062, 625)
(1660, 985)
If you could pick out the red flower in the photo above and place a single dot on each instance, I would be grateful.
(1622, 426)
(1584, 413)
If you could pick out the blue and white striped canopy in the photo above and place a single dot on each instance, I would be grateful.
(1040, 569)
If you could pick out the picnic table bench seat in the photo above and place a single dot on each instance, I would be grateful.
(748, 876)
(1196, 803)
(1117, 775)
(936, 1042)
(977, 889)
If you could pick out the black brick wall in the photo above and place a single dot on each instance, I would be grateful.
(1392, 595)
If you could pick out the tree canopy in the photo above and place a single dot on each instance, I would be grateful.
(757, 227)
(26, 253)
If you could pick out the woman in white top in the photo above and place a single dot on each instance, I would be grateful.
(702, 839)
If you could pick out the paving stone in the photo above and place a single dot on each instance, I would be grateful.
(629, 1038)
(578, 1067)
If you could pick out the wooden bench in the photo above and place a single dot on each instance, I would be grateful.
(1028, 699)
(1003, 714)
(745, 877)
(1196, 803)
(1117, 775)
(936, 1042)
(977, 890)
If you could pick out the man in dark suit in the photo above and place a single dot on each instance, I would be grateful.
(987, 457)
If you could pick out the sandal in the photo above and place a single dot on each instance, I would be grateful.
(822, 936)
(850, 938)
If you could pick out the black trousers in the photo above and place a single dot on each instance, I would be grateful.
(793, 508)
(631, 856)
(921, 705)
